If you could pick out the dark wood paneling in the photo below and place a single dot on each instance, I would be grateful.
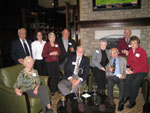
(115, 23)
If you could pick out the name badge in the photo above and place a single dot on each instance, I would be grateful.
(70, 43)
(34, 74)
(73, 63)
(137, 55)
(56, 45)
(97, 51)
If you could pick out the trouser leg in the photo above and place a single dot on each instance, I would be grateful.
(42, 94)
(53, 72)
(110, 85)
(121, 85)
(138, 78)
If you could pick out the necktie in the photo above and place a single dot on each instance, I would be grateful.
(26, 48)
(77, 66)
(114, 65)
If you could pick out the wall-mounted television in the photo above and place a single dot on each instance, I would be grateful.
(101, 5)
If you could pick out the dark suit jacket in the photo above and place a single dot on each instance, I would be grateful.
(65, 54)
(17, 50)
(84, 65)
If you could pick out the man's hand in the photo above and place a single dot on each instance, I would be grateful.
(72, 49)
(18, 92)
(125, 52)
(122, 77)
(20, 60)
(110, 69)
(75, 83)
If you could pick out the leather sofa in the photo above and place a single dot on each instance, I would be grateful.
(9, 101)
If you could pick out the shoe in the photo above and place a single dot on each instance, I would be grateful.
(126, 99)
(111, 102)
(49, 110)
(131, 105)
(120, 106)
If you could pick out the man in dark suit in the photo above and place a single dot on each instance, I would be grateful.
(21, 47)
(123, 45)
(67, 47)
(76, 72)
(116, 73)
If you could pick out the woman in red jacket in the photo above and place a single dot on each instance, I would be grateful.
(137, 69)
(51, 52)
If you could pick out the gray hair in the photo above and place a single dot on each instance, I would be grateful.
(102, 41)
(26, 59)
(21, 29)
(51, 34)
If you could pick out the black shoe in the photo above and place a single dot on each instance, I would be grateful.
(120, 106)
(125, 100)
(49, 110)
(131, 105)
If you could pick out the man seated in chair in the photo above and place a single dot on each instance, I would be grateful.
(76, 73)
(116, 73)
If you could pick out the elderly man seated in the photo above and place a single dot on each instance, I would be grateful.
(76, 73)
(116, 73)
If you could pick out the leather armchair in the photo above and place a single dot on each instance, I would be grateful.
(9, 101)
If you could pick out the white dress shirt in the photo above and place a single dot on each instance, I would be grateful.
(26, 44)
(37, 49)
(76, 67)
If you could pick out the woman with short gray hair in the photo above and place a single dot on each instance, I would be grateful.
(99, 61)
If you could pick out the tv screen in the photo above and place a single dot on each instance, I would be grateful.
(115, 4)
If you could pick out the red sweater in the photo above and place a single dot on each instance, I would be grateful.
(48, 49)
(122, 45)
(138, 60)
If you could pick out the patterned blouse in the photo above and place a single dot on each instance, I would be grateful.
(26, 81)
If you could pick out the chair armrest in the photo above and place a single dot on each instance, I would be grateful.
(11, 102)
(7, 89)
(44, 80)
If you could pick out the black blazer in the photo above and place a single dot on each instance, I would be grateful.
(17, 50)
(65, 54)
(84, 65)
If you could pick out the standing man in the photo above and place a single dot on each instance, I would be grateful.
(123, 45)
(76, 73)
(21, 47)
(67, 47)
(116, 73)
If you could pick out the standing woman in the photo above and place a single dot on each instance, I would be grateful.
(137, 69)
(99, 61)
(51, 52)
(37, 48)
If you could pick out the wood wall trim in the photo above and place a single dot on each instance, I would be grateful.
(115, 23)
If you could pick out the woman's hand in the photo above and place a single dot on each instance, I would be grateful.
(102, 68)
(128, 71)
(53, 53)
(36, 90)
(18, 92)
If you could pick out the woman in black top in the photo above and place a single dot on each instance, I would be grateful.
(99, 60)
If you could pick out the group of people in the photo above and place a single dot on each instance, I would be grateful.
(119, 66)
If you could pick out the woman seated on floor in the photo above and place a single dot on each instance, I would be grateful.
(28, 81)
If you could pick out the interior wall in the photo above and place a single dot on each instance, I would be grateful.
(87, 35)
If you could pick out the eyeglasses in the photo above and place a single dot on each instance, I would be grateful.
(114, 52)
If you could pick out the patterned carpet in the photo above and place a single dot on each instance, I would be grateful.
(137, 109)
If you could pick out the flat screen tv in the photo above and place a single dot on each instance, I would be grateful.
(101, 5)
